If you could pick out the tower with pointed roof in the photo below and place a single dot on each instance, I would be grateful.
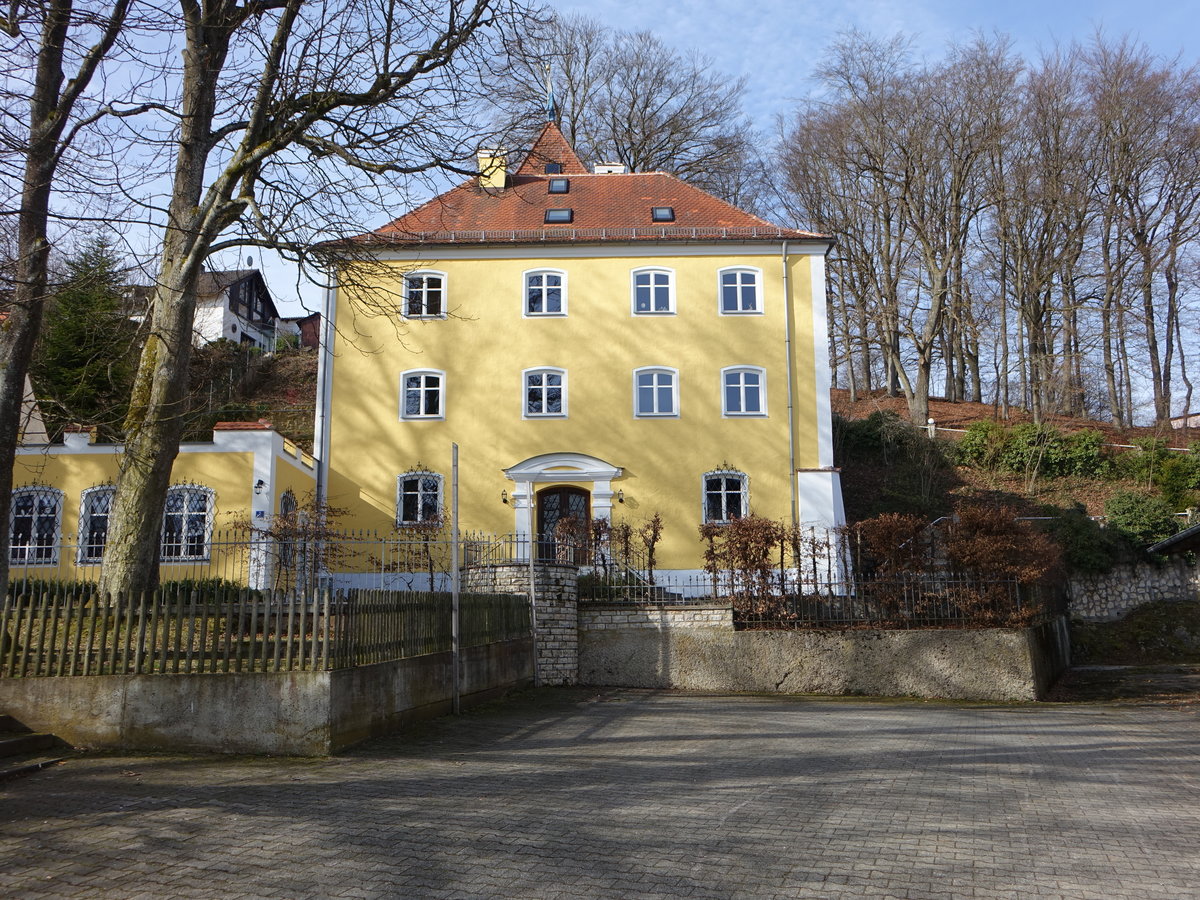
(600, 344)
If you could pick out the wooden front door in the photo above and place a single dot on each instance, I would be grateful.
(569, 542)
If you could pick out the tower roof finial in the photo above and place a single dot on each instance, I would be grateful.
(551, 107)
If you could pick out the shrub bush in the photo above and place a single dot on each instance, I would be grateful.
(1032, 450)
(1083, 454)
(890, 543)
(990, 541)
(1143, 464)
(1176, 478)
(1087, 548)
(982, 447)
(1144, 518)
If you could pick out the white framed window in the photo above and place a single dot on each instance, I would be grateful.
(425, 295)
(187, 523)
(33, 524)
(423, 394)
(726, 495)
(287, 519)
(739, 291)
(418, 497)
(653, 292)
(546, 293)
(94, 507)
(744, 391)
(545, 393)
(655, 391)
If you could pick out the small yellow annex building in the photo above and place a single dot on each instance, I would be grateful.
(62, 493)
(599, 344)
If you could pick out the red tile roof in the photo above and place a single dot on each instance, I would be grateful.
(551, 146)
(605, 208)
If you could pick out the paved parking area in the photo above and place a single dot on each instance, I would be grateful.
(575, 793)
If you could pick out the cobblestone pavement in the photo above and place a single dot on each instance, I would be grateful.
(575, 793)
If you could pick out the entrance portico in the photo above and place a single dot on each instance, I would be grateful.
(564, 468)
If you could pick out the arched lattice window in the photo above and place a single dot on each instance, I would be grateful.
(187, 523)
(726, 495)
(33, 525)
(418, 498)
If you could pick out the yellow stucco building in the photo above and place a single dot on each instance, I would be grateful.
(62, 493)
(599, 344)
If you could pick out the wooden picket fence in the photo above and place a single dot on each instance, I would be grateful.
(67, 629)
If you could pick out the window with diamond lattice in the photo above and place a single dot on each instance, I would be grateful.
(419, 498)
(93, 523)
(185, 527)
(725, 496)
(33, 526)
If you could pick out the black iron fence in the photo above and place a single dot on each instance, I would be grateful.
(68, 629)
(944, 600)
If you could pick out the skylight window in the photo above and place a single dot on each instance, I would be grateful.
(553, 169)
(560, 185)
(559, 216)
(662, 213)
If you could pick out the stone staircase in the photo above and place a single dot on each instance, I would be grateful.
(23, 751)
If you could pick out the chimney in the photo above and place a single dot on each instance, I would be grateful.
(609, 169)
(493, 169)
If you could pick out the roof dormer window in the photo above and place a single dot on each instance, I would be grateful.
(560, 185)
(553, 168)
(662, 213)
(559, 216)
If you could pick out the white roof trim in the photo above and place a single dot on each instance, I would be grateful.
(562, 466)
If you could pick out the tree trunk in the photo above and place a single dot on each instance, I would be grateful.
(50, 109)
(155, 422)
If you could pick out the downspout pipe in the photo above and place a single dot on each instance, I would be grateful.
(324, 393)
(787, 346)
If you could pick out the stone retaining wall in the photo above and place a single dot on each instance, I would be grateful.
(1106, 598)
(556, 589)
(697, 649)
(594, 617)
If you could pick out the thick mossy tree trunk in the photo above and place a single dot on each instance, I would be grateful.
(155, 421)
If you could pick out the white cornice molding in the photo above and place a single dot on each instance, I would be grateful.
(647, 250)
(562, 466)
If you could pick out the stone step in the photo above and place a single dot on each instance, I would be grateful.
(20, 744)
(27, 763)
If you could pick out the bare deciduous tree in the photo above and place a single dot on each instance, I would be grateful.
(53, 51)
(272, 94)
(629, 98)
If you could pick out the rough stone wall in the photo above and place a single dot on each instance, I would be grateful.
(969, 664)
(556, 592)
(599, 616)
(1105, 598)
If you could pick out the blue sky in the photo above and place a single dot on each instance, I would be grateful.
(775, 44)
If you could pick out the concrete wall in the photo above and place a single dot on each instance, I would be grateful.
(1106, 598)
(296, 713)
(698, 654)
(368, 701)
